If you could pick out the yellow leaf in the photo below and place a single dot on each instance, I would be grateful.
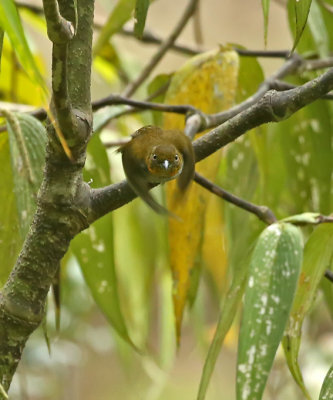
(208, 82)
(214, 248)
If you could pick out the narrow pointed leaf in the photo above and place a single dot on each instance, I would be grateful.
(141, 10)
(302, 9)
(121, 13)
(93, 248)
(318, 30)
(10, 239)
(10, 22)
(265, 9)
(318, 255)
(209, 82)
(273, 275)
(1, 44)
(326, 392)
(27, 138)
(228, 310)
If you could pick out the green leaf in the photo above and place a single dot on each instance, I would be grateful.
(303, 162)
(273, 275)
(93, 248)
(318, 30)
(141, 9)
(303, 219)
(10, 239)
(228, 311)
(11, 24)
(326, 392)
(318, 255)
(157, 93)
(121, 13)
(103, 116)
(265, 9)
(302, 9)
(27, 138)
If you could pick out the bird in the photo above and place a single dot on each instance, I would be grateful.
(154, 155)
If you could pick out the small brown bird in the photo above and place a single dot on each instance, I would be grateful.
(154, 155)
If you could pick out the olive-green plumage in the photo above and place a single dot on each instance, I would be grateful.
(154, 155)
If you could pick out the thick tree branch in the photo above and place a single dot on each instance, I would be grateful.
(273, 107)
(288, 68)
(131, 88)
(61, 205)
(59, 30)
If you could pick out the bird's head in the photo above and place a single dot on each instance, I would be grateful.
(164, 162)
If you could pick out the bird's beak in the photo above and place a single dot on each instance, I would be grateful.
(166, 164)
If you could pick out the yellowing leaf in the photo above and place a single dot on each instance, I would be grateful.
(208, 82)
(214, 246)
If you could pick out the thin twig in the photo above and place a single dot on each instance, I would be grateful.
(263, 53)
(312, 65)
(197, 29)
(115, 143)
(262, 212)
(329, 275)
(116, 99)
(132, 87)
(152, 38)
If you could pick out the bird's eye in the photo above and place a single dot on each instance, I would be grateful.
(154, 157)
(176, 157)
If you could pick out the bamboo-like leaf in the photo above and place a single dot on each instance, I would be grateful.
(27, 138)
(318, 255)
(265, 10)
(209, 82)
(10, 239)
(93, 248)
(11, 24)
(273, 275)
(118, 17)
(228, 310)
(302, 9)
(1, 44)
(326, 392)
(318, 30)
(157, 88)
(141, 10)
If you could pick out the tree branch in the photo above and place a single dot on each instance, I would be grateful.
(132, 87)
(144, 105)
(273, 107)
(289, 67)
(329, 275)
(262, 212)
(59, 30)
(61, 206)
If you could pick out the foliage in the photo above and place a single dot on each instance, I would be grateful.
(217, 253)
